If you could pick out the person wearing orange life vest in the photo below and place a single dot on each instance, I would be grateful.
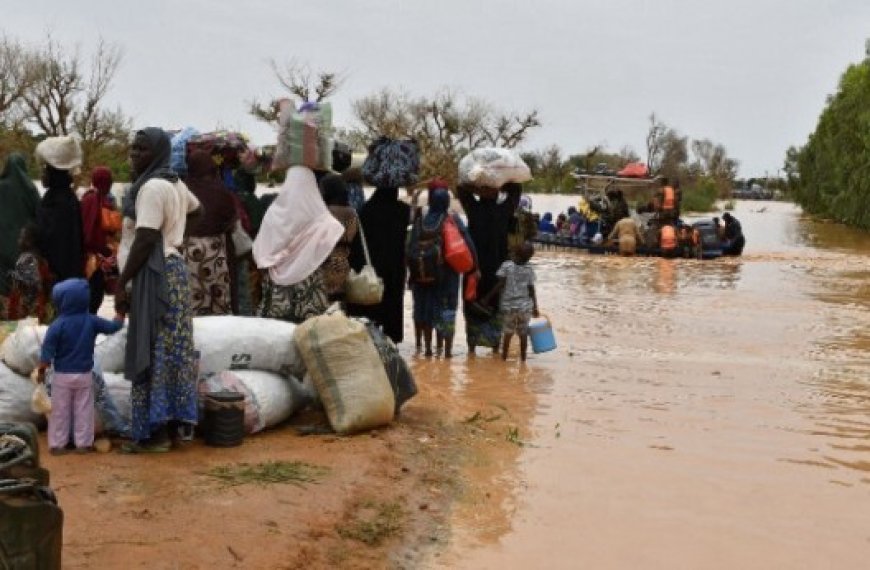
(666, 201)
(668, 241)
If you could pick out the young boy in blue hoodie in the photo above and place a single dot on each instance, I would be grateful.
(69, 346)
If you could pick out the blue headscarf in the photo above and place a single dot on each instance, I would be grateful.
(439, 201)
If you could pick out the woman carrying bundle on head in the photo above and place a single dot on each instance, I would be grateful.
(390, 165)
(489, 221)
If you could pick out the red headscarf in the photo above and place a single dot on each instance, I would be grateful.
(101, 179)
(438, 182)
(91, 206)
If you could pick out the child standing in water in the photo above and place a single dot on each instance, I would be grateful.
(516, 281)
(69, 347)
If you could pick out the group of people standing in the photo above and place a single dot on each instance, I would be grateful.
(45, 239)
(193, 246)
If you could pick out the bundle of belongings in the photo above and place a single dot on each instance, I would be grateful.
(493, 168)
(304, 136)
(346, 365)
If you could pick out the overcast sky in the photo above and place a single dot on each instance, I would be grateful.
(751, 74)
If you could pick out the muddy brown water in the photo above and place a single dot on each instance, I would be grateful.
(697, 414)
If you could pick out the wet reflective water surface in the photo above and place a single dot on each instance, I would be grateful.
(697, 414)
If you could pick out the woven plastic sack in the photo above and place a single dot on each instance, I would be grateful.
(347, 372)
(304, 136)
(270, 399)
(493, 168)
(15, 393)
(21, 349)
(245, 343)
(109, 351)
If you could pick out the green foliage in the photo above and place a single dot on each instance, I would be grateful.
(833, 168)
(700, 197)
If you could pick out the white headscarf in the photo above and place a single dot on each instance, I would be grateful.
(298, 233)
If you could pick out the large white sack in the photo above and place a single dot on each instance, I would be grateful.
(493, 168)
(21, 348)
(118, 389)
(109, 351)
(270, 399)
(347, 372)
(15, 393)
(245, 343)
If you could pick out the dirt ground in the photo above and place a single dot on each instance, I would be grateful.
(378, 500)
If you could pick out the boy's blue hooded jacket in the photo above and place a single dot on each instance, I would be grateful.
(69, 342)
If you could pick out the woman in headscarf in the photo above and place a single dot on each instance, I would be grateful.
(95, 235)
(159, 357)
(435, 304)
(59, 217)
(489, 221)
(390, 164)
(19, 201)
(297, 235)
(208, 243)
(337, 267)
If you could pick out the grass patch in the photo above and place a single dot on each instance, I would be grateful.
(374, 522)
(268, 473)
(513, 436)
(701, 198)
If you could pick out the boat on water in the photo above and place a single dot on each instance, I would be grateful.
(597, 193)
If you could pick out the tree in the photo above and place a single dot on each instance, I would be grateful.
(654, 135)
(446, 125)
(299, 81)
(551, 172)
(833, 167)
(16, 79)
(67, 96)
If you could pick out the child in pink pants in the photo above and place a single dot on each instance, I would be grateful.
(69, 347)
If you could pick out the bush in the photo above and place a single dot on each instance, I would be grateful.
(701, 197)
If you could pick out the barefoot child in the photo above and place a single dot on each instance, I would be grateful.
(516, 280)
(69, 346)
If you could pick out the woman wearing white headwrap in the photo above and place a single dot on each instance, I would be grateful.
(297, 234)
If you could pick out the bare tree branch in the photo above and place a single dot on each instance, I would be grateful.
(299, 81)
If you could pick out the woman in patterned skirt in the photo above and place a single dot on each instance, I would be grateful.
(159, 358)
(206, 250)
(297, 235)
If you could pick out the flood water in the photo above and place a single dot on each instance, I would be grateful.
(697, 414)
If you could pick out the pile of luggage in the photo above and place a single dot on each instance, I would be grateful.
(346, 366)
